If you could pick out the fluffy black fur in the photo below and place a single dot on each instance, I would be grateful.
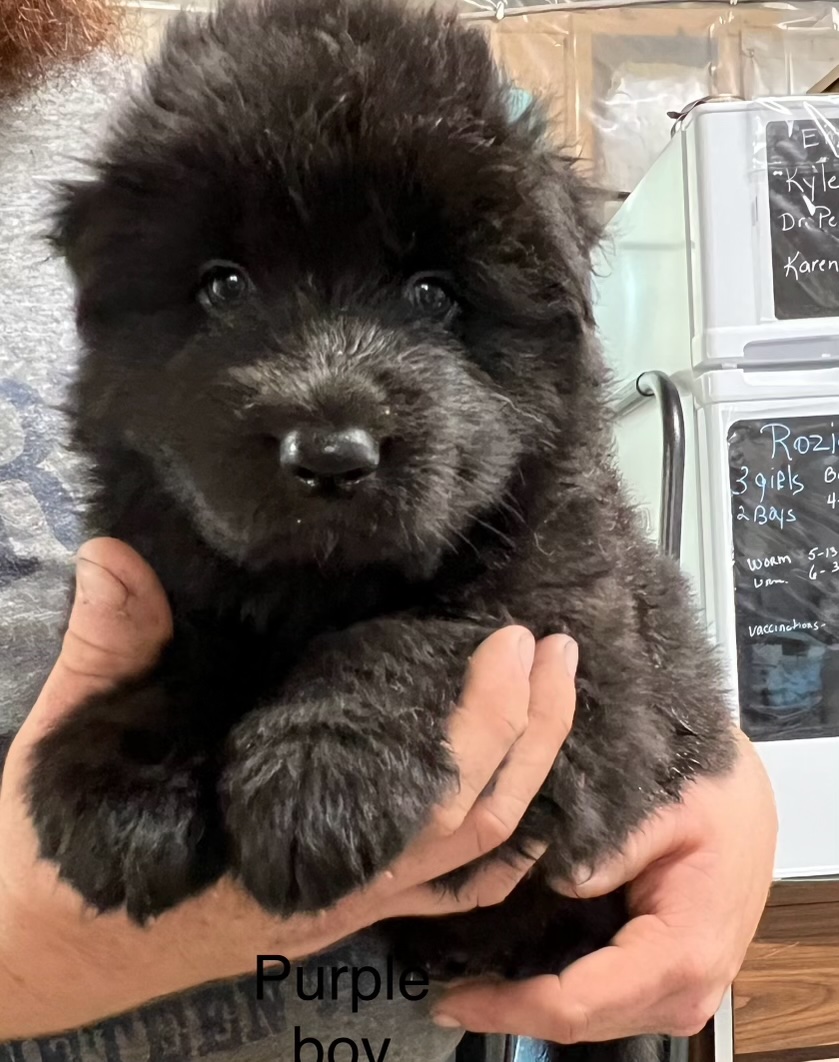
(294, 730)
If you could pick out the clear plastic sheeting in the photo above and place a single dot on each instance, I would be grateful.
(614, 71)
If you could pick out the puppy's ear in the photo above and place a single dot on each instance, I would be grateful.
(567, 195)
(72, 222)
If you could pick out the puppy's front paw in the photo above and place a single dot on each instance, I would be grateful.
(317, 810)
(126, 823)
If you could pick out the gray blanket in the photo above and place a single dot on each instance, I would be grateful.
(40, 504)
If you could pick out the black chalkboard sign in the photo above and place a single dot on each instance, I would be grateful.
(802, 160)
(784, 478)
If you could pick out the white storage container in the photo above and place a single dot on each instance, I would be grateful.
(732, 240)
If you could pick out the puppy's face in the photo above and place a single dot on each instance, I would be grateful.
(331, 292)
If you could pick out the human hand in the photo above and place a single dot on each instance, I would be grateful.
(700, 872)
(61, 967)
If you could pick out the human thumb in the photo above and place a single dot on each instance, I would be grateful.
(664, 836)
(118, 625)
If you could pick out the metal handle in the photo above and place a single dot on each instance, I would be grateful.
(659, 385)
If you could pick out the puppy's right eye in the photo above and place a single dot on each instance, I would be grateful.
(431, 294)
(223, 286)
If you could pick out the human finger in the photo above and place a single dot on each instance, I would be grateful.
(496, 813)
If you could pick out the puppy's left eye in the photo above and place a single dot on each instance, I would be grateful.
(432, 294)
(223, 286)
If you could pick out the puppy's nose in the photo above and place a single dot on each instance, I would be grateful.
(319, 457)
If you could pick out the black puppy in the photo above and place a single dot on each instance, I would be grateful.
(340, 388)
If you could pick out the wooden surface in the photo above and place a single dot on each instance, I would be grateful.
(786, 998)
(815, 890)
(795, 1054)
